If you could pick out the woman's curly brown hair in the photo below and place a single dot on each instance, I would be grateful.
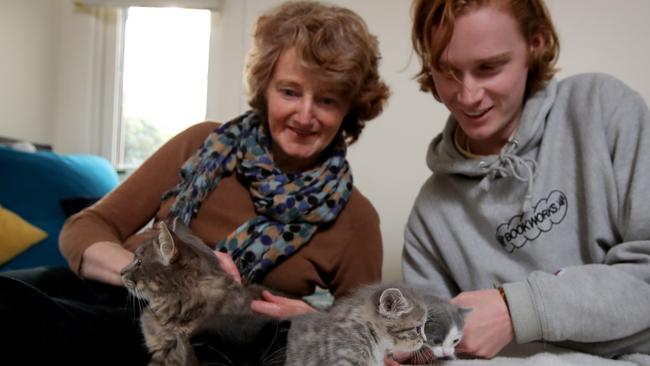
(433, 26)
(334, 44)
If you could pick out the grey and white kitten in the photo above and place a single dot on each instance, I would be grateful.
(360, 329)
(443, 328)
(185, 286)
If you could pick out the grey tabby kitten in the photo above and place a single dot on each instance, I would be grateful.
(443, 328)
(185, 286)
(360, 329)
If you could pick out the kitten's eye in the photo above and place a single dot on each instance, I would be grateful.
(138, 262)
(456, 341)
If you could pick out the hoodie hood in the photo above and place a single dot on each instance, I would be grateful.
(444, 158)
(517, 157)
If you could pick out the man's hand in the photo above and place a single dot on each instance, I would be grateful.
(395, 359)
(488, 328)
(389, 361)
(423, 356)
(280, 307)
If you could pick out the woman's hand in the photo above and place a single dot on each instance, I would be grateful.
(488, 328)
(103, 261)
(280, 307)
(272, 305)
(228, 265)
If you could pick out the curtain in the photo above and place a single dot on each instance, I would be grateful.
(213, 5)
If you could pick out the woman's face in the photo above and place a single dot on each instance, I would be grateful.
(483, 75)
(303, 115)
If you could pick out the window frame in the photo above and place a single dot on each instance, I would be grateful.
(226, 94)
(110, 35)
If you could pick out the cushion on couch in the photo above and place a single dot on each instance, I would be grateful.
(33, 184)
(16, 235)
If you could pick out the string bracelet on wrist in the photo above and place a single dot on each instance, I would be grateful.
(503, 296)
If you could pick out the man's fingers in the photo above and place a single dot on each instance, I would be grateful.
(390, 362)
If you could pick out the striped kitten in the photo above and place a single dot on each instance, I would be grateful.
(185, 286)
(360, 329)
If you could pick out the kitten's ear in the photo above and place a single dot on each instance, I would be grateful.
(166, 244)
(180, 228)
(392, 303)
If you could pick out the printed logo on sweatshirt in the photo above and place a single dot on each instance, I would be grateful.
(526, 227)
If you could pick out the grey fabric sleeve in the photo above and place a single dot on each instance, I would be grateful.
(605, 304)
(421, 264)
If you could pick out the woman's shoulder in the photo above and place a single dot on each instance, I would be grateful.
(360, 205)
(359, 214)
(187, 141)
(198, 131)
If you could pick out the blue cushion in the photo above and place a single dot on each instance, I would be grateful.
(32, 184)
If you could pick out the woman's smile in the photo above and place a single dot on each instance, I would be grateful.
(304, 116)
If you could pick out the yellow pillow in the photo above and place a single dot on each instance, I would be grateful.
(16, 235)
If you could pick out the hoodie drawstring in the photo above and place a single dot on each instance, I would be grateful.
(506, 165)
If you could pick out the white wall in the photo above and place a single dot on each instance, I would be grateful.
(49, 55)
(75, 126)
(47, 84)
(605, 36)
(26, 68)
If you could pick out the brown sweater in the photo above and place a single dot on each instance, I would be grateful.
(340, 256)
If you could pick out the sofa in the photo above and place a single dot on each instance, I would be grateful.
(39, 190)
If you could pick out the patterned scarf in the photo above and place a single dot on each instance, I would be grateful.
(290, 207)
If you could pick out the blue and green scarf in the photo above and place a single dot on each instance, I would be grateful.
(290, 206)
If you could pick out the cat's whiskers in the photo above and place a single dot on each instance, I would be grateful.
(126, 302)
(275, 357)
(136, 302)
(129, 303)
(230, 363)
(422, 357)
(134, 306)
(275, 334)
(142, 303)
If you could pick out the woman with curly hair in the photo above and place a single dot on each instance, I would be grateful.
(271, 189)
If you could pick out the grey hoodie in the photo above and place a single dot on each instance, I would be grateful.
(561, 219)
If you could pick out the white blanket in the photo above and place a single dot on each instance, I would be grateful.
(538, 355)
(552, 359)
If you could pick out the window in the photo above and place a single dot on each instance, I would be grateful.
(214, 35)
(164, 79)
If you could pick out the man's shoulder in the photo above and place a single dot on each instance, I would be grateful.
(594, 83)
